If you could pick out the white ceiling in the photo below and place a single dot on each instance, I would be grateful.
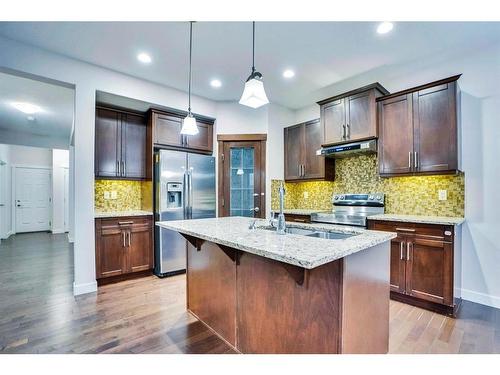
(321, 53)
(52, 126)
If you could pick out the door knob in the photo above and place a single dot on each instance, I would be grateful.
(256, 209)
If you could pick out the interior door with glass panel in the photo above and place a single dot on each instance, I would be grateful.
(244, 171)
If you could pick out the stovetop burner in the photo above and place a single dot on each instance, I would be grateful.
(351, 209)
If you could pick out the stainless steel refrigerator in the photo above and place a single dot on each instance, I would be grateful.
(184, 189)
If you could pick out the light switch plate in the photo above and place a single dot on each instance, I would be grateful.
(106, 195)
(306, 194)
(442, 195)
(114, 194)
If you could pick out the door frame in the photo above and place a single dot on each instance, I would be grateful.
(221, 139)
(13, 193)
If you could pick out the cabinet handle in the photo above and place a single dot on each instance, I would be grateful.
(348, 136)
(303, 170)
(401, 247)
(343, 132)
(125, 222)
(409, 159)
(299, 166)
(118, 168)
(299, 220)
(416, 160)
(123, 235)
(408, 245)
(128, 238)
(123, 168)
(405, 230)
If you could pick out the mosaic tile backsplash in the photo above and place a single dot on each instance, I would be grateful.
(131, 195)
(359, 174)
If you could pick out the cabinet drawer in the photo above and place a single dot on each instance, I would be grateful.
(124, 222)
(298, 218)
(431, 232)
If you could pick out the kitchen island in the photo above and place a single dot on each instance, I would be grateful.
(295, 293)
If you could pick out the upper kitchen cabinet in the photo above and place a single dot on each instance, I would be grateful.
(351, 116)
(120, 144)
(301, 162)
(167, 132)
(419, 131)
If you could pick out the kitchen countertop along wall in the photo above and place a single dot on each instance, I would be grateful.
(413, 195)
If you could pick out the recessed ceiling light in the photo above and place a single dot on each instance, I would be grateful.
(144, 58)
(288, 73)
(384, 27)
(27, 108)
(30, 118)
(215, 83)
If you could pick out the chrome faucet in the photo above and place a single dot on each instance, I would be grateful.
(280, 227)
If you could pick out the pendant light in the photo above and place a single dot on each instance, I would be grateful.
(254, 94)
(189, 126)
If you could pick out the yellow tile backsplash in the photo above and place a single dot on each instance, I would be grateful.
(130, 195)
(359, 174)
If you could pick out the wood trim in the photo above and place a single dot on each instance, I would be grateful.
(241, 137)
(375, 85)
(180, 113)
(421, 87)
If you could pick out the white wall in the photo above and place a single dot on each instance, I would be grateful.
(30, 156)
(481, 248)
(60, 164)
(5, 192)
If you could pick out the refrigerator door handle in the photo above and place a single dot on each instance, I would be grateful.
(190, 190)
(185, 201)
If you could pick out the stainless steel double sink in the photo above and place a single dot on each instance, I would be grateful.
(318, 233)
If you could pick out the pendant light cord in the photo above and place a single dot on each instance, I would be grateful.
(190, 57)
(253, 47)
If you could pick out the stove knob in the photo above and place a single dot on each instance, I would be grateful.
(341, 198)
(336, 197)
(379, 197)
(371, 197)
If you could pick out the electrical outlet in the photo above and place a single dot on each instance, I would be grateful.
(306, 194)
(106, 195)
(114, 194)
(442, 195)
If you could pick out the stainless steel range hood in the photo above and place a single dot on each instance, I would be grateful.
(349, 149)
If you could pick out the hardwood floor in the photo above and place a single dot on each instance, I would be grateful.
(38, 313)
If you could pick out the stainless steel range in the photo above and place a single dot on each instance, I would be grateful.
(351, 209)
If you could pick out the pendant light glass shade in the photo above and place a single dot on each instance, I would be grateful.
(189, 126)
(254, 94)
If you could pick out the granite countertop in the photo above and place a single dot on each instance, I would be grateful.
(299, 211)
(443, 220)
(104, 214)
(299, 250)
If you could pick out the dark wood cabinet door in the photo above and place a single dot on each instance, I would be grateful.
(294, 147)
(107, 143)
(333, 116)
(314, 166)
(133, 146)
(396, 135)
(140, 247)
(435, 128)
(398, 264)
(429, 270)
(202, 141)
(110, 249)
(361, 116)
(167, 130)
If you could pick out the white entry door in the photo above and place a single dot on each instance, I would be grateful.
(32, 199)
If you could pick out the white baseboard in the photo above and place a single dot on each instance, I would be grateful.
(7, 235)
(70, 238)
(57, 231)
(481, 298)
(84, 288)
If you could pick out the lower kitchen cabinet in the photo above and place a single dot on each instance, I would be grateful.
(123, 246)
(425, 264)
